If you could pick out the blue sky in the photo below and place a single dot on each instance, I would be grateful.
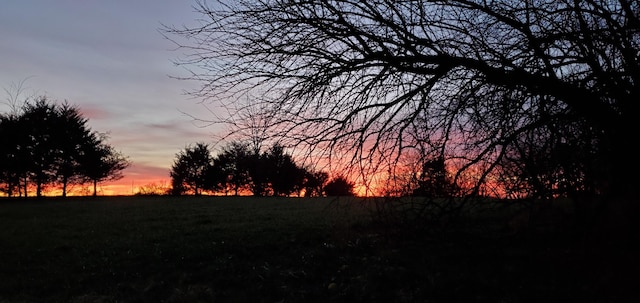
(108, 58)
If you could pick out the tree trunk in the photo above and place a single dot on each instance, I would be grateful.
(64, 187)
(39, 189)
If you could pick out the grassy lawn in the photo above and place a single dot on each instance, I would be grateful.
(243, 249)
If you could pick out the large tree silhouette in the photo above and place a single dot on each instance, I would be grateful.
(70, 135)
(472, 78)
(39, 122)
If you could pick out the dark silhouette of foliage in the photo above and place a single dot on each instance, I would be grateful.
(557, 163)
(39, 120)
(271, 173)
(230, 170)
(339, 187)
(71, 134)
(259, 171)
(284, 175)
(49, 144)
(12, 161)
(191, 169)
(314, 182)
(434, 180)
(100, 161)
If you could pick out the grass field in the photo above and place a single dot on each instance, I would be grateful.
(243, 249)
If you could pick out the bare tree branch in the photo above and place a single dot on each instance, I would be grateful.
(469, 77)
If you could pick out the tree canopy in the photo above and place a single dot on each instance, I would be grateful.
(191, 169)
(240, 169)
(339, 186)
(45, 144)
(493, 87)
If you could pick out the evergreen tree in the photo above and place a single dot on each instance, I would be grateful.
(46, 144)
(69, 136)
(100, 162)
(191, 168)
(40, 120)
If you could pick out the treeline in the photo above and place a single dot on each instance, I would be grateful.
(44, 145)
(239, 169)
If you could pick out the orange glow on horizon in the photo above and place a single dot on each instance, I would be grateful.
(154, 179)
(135, 178)
(129, 186)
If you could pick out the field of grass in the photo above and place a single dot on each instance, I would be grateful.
(244, 249)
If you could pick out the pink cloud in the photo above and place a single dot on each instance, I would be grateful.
(94, 113)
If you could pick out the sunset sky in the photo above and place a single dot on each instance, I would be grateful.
(108, 58)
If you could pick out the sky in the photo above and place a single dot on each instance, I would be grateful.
(109, 59)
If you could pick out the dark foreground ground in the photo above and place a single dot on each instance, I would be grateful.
(213, 249)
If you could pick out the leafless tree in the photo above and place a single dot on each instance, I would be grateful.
(474, 77)
(15, 97)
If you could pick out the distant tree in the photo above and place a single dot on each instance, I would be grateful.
(259, 172)
(12, 143)
(177, 186)
(100, 162)
(241, 166)
(214, 179)
(339, 186)
(70, 135)
(40, 119)
(47, 144)
(283, 174)
(12, 160)
(231, 167)
(434, 180)
(191, 168)
(314, 182)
